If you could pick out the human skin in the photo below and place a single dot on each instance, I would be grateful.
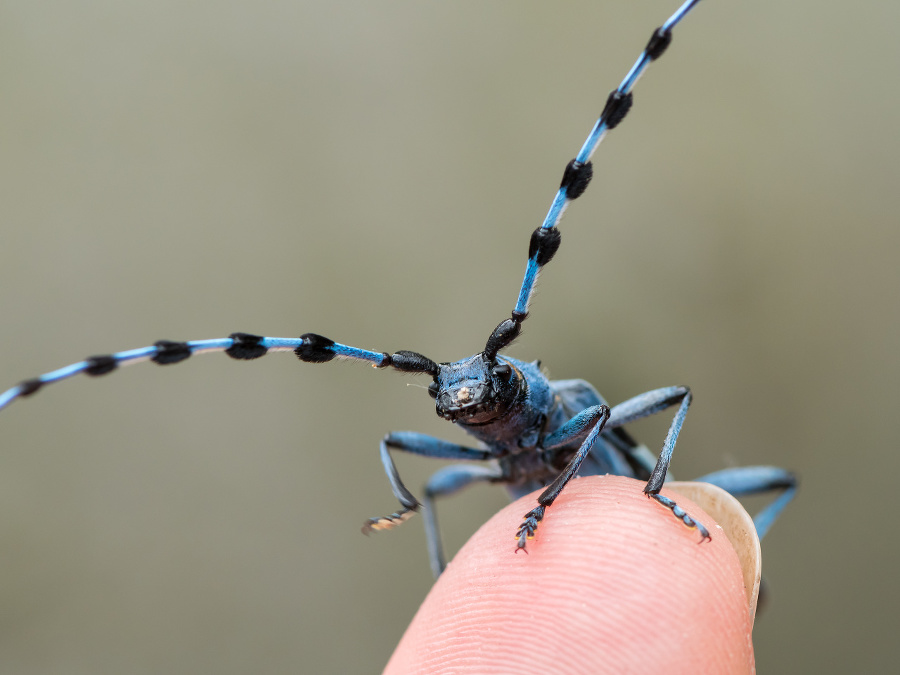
(611, 583)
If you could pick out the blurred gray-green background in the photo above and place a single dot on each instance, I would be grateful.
(372, 171)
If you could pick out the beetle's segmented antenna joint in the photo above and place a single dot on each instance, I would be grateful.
(617, 106)
(29, 387)
(503, 335)
(659, 42)
(544, 244)
(168, 351)
(100, 365)
(315, 348)
(246, 346)
(576, 178)
(413, 362)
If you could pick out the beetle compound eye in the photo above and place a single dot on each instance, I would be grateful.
(433, 389)
(503, 371)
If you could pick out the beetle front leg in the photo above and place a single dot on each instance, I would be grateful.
(418, 444)
(585, 426)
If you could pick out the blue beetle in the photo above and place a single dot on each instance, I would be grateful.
(533, 432)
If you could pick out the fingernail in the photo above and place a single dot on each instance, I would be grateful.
(737, 526)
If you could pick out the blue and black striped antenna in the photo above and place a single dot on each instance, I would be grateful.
(578, 172)
(313, 348)
(545, 240)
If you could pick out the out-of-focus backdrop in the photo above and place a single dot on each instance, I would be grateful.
(372, 172)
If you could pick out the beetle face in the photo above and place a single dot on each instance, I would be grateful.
(475, 390)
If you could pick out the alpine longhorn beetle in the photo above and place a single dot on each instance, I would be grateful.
(534, 432)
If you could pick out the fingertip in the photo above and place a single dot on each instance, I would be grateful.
(738, 526)
(612, 582)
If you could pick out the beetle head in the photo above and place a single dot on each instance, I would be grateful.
(475, 390)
